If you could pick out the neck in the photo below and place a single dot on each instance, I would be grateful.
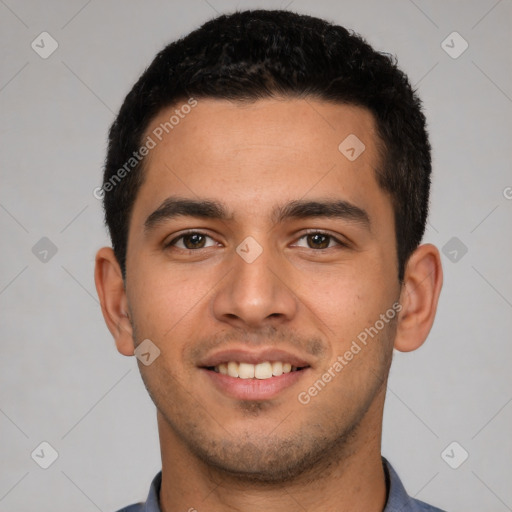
(349, 478)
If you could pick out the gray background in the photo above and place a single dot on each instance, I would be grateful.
(62, 380)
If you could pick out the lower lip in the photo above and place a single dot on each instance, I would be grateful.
(253, 389)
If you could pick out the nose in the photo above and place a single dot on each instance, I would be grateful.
(256, 292)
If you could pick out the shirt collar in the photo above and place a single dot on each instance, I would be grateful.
(153, 502)
(398, 499)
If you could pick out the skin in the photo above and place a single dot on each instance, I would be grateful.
(224, 454)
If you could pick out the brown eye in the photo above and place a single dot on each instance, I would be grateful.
(194, 241)
(191, 241)
(318, 241)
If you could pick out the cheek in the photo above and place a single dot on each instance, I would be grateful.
(163, 300)
(347, 301)
(341, 293)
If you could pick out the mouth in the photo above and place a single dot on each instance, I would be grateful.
(261, 371)
(242, 374)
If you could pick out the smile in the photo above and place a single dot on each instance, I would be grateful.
(253, 381)
(265, 370)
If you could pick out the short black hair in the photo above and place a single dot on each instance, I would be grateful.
(256, 54)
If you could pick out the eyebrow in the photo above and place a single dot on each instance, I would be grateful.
(174, 207)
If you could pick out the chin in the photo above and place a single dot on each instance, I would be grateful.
(267, 460)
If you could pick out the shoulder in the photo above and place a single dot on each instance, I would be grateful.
(398, 499)
(137, 507)
(152, 502)
(420, 506)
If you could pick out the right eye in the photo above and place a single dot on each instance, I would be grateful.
(191, 241)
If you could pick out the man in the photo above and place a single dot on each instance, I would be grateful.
(266, 191)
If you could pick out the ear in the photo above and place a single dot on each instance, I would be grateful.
(422, 285)
(114, 304)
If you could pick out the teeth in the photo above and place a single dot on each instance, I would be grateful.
(233, 369)
(277, 368)
(246, 371)
(261, 371)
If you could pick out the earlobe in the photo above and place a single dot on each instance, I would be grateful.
(419, 297)
(114, 304)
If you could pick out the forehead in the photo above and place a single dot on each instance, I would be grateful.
(307, 126)
(251, 154)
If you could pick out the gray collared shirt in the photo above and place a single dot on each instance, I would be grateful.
(398, 499)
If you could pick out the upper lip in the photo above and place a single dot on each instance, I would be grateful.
(253, 357)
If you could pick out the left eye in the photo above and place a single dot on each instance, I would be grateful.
(319, 240)
(191, 241)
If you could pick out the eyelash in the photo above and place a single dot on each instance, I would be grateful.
(311, 232)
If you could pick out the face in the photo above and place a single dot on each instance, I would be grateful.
(255, 240)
